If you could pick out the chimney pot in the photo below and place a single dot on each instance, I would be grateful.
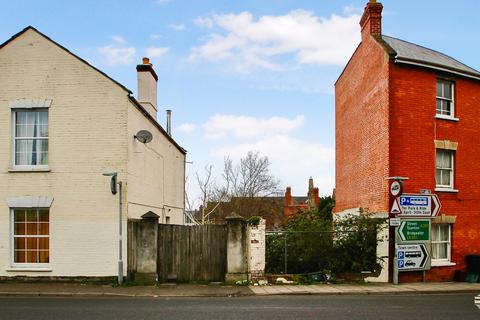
(169, 122)
(146, 60)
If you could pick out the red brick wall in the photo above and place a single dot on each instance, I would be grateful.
(412, 154)
(361, 115)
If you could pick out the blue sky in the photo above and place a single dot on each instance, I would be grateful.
(244, 75)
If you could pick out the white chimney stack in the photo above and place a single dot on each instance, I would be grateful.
(147, 87)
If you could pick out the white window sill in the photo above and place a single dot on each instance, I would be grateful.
(442, 263)
(446, 190)
(29, 269)
(443, 117)
(30, 169)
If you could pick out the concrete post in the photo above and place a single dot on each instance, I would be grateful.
(237, 251)
(147, 249)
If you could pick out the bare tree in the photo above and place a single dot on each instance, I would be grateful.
(251, 177)
(210, 192)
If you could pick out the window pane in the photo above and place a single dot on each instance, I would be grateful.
(31, 215)
(43, 215)
(439, 89)
(19, 215)
(44, 257)
(43, 118)
(32, 228)
(32, 256)
(20, 243)
(43, 228)
(20, 228)
(447, 90)
(444, 230)
(20, 256)
(445, 177)
(446, 107)
(44, 243)
(32, 243)
(438, 177)
(447, 160)
(439, 156)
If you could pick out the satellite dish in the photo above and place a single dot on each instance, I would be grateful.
(144, 136)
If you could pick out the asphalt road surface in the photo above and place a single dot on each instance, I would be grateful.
(425, 307)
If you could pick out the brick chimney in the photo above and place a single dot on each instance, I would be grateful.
(371, 21)
(288, 197)
(147, 87)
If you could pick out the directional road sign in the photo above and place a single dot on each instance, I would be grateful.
(412, 257)
(416, 205)
(414, 230)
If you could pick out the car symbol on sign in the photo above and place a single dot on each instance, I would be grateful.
(409, 263)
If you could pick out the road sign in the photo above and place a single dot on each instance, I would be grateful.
(412, 257)
(417, 205)
(395, 207)
(396, 188)
(394, 222)
(414, 230)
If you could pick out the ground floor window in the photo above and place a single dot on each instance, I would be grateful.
(441, 242)
(31, 235)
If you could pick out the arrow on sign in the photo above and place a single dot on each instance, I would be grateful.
(425, 256)
(437, 204)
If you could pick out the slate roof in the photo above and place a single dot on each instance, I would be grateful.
(406, 52)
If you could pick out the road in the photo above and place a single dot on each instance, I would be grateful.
(432, 306)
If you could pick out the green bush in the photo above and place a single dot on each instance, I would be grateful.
(315, 243)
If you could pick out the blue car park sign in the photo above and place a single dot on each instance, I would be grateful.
(416, 205)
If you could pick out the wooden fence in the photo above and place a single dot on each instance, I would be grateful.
(192, 253)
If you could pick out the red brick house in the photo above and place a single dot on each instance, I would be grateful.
(406, 110)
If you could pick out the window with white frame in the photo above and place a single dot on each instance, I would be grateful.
(444, 168)
(445, 101)
(30, 137)
(441, 243)
(31, 236)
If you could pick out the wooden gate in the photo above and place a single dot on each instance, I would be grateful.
(192, 253)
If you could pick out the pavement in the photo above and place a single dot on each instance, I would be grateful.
(220, 290)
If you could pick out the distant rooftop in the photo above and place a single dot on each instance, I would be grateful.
(406, 52)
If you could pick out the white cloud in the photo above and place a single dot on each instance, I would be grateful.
(204, 22)
(244, 127)
(293, 160)
(298, 36)
(155, 36)
(115, 55)
(118, 39)
(155, 52)
(186, 128)
(177, 27)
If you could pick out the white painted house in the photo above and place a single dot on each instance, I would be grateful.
(63, 123)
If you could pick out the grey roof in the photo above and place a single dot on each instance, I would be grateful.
(407, 52)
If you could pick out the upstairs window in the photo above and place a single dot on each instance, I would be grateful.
(30, 140)
(445, 93)
(444, 168)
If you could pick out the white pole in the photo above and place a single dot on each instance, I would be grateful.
(120, 262)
